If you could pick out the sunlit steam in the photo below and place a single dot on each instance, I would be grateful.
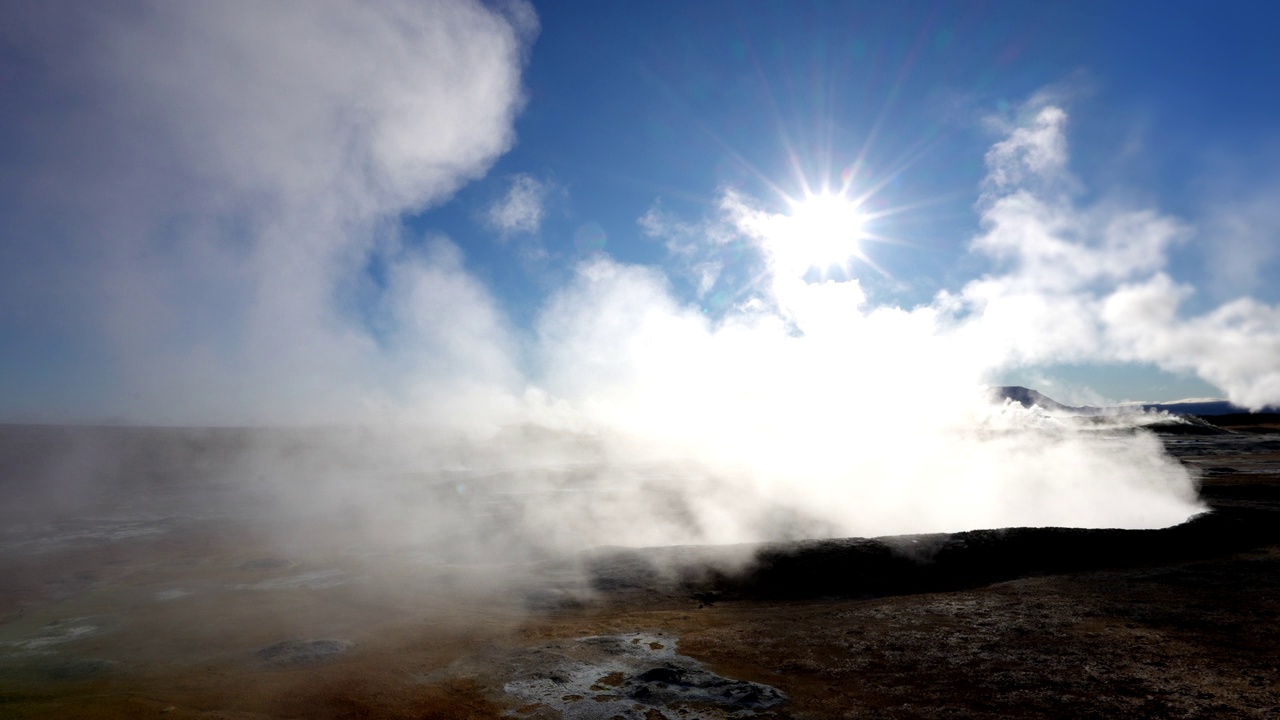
(281, 290)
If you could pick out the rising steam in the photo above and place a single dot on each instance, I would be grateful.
(233, 171)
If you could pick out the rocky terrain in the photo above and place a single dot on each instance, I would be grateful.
(204, 614)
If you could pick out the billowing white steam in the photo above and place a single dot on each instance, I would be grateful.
(200, 187)
(229, 172)
(1088, 283)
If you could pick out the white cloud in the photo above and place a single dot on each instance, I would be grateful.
(861, 418)
(870, 420)
(207, 181)
(696, 249)
(522, 209)
(1243, 244)
(1034, 151)
(1089, 283)
(1071, 282)
(1235, 347)
(230, 169)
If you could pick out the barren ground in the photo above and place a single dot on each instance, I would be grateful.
(204, 618)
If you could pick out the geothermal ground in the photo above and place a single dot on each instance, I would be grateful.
(170, 599)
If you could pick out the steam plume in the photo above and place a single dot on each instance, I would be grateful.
(222, 222)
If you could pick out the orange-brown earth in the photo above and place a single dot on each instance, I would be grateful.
(210, 619)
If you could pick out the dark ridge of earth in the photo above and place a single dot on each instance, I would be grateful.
(1018, 623)
(1244, 516)
(867, 568)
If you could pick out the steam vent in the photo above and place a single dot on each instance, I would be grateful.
(183, 591)
(639, 360)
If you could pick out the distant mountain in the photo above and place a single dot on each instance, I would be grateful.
(1027, 397)
(1204, 408)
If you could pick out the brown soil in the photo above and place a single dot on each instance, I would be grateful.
(1174, 625)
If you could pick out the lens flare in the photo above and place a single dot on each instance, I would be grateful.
(821, 231)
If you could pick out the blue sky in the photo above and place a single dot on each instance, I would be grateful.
(631, 103)
(151, 224)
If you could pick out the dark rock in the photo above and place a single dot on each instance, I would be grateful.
(669, 675)
(82, 669)
(878, 567)
(292, 653)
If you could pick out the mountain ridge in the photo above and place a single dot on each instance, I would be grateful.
(1028, 397)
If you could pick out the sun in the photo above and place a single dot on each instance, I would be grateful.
(821, 230)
